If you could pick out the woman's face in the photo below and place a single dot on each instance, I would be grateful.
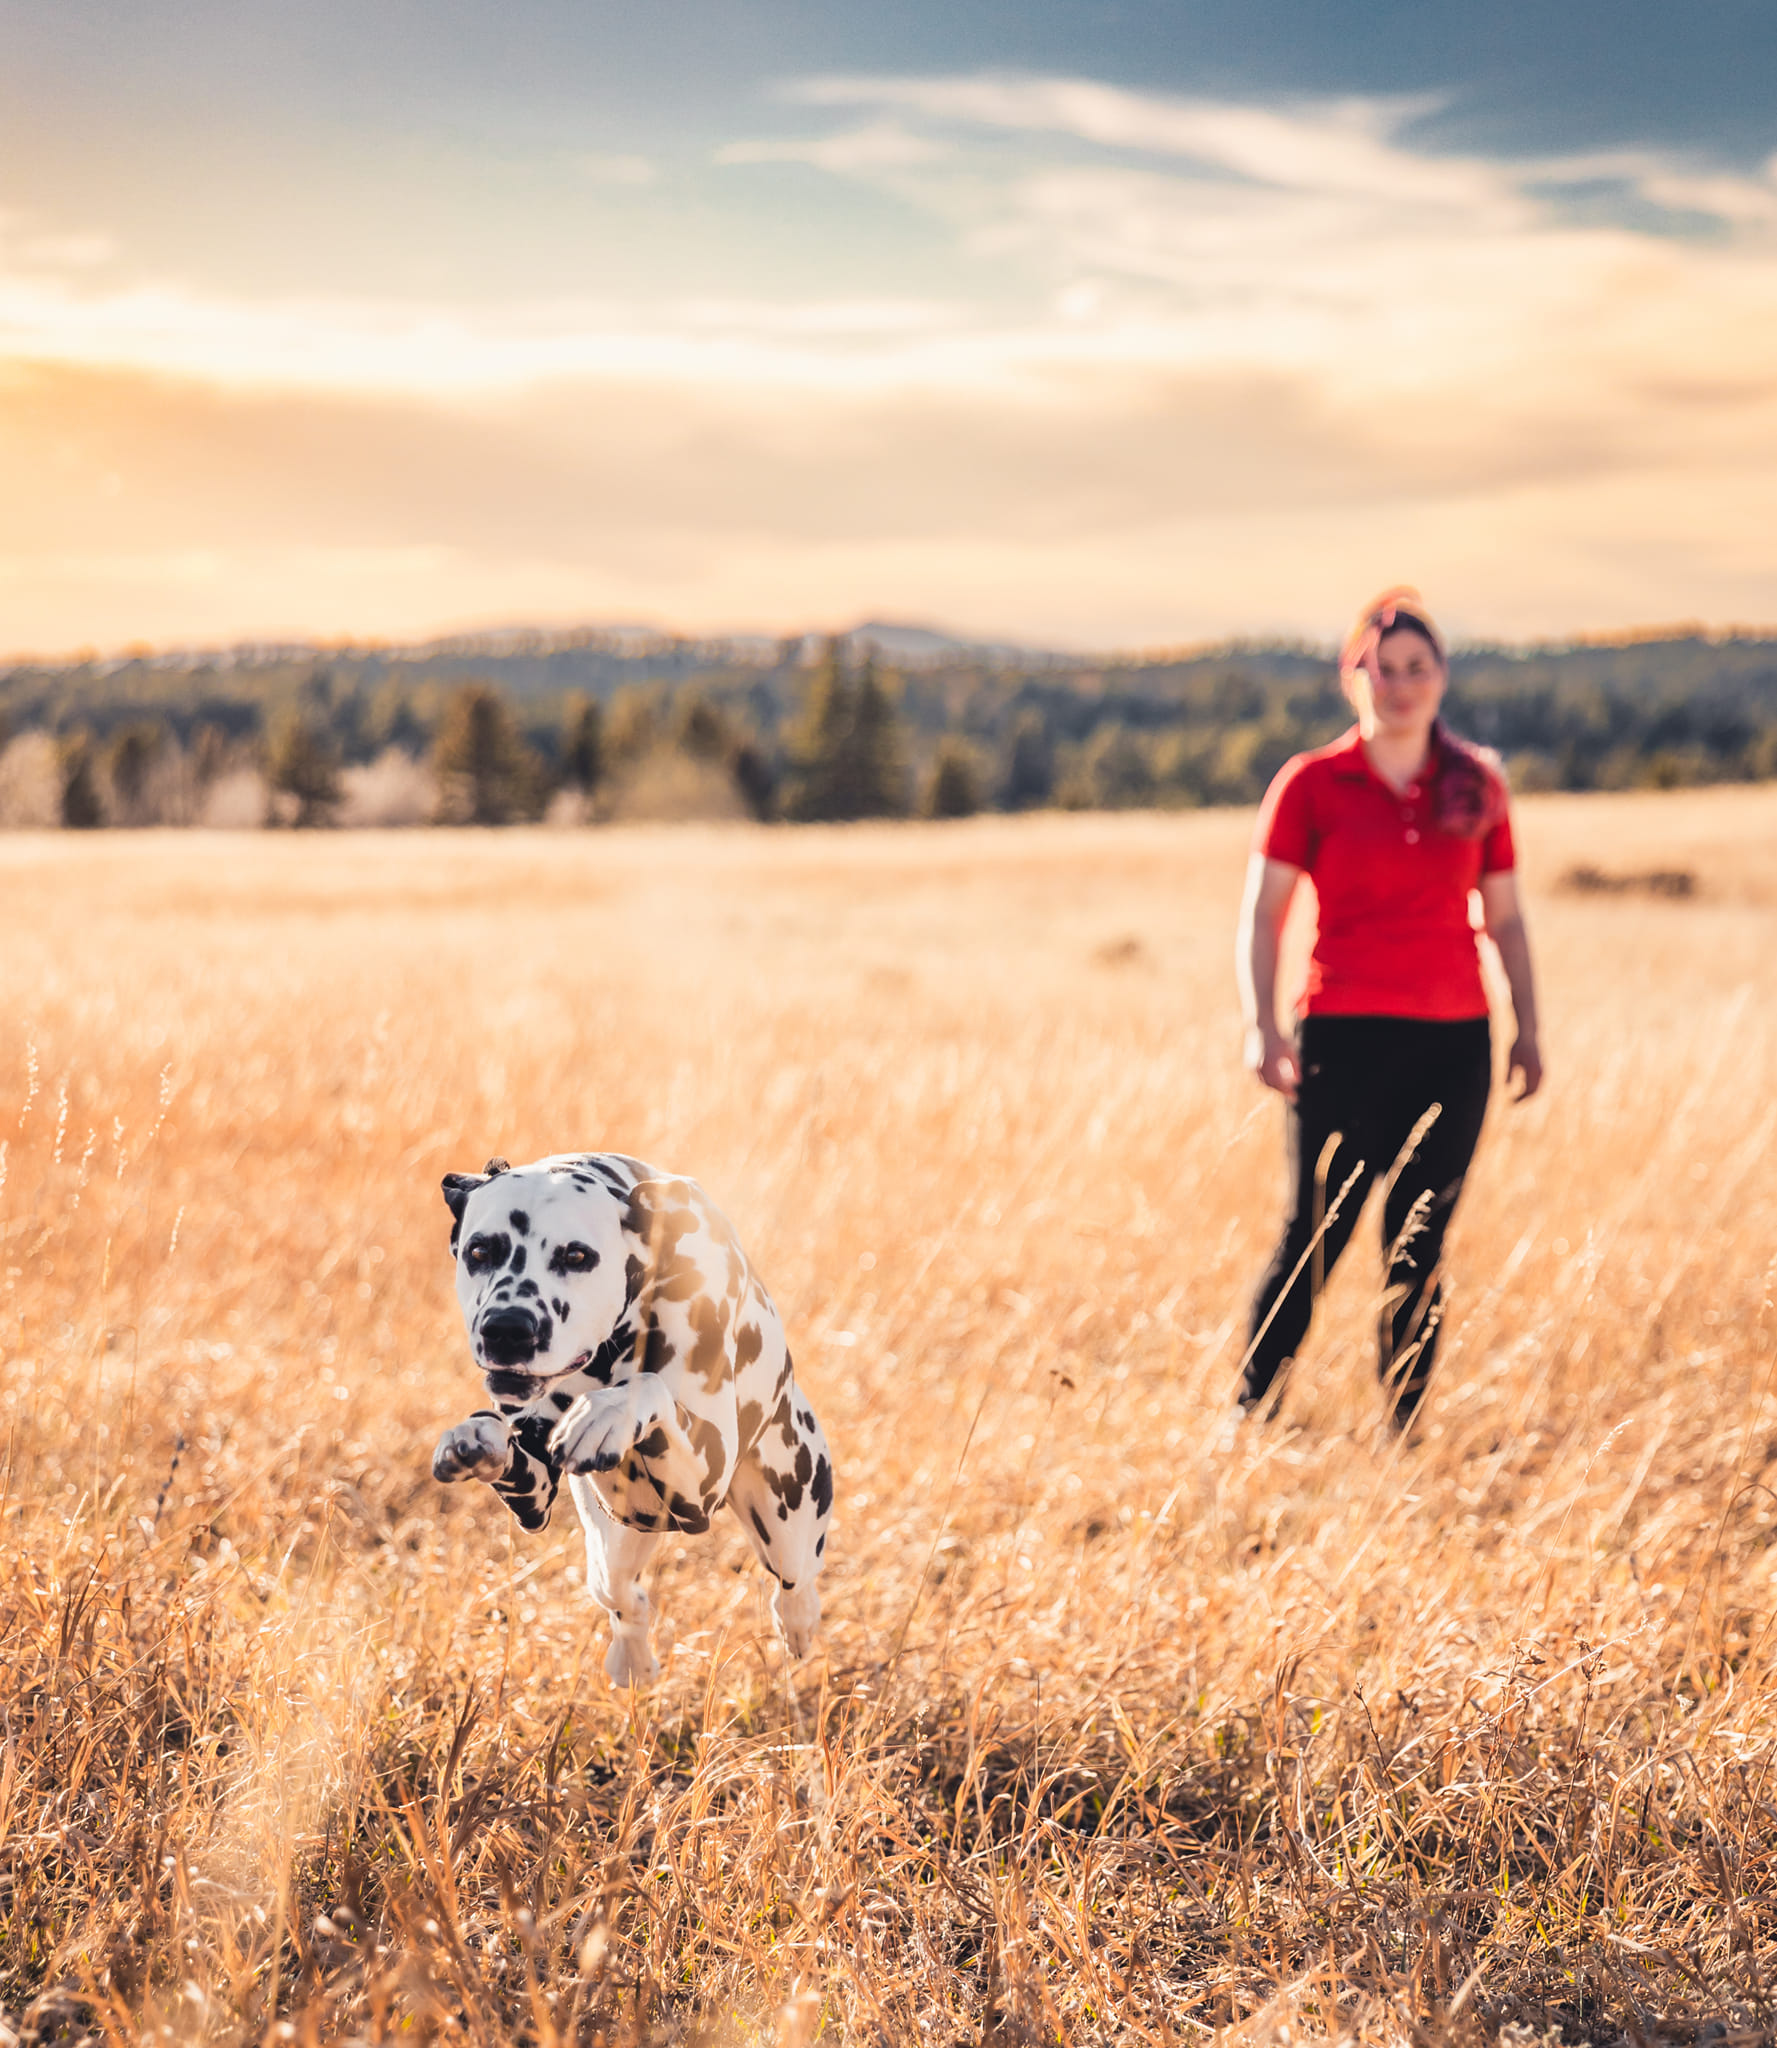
(1401, 686)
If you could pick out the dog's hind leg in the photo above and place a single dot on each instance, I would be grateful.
(782, 1492)
(616, 1557)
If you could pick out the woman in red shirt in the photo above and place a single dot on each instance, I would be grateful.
(1388, 1073)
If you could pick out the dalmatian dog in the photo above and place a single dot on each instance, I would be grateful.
(630, 1348)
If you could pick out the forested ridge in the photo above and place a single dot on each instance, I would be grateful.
(879, 722)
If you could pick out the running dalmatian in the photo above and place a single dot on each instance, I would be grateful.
(628, 1345)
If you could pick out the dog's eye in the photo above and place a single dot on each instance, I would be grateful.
(574, 1258)
(477, 1252)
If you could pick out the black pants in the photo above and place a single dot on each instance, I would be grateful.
(1366, 1085)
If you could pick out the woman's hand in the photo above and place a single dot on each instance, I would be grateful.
(1269, 887)
(1525, 1059)
(1273, 1058)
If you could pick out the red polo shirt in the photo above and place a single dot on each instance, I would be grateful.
(1393, 937)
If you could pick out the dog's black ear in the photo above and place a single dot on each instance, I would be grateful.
(458, 1187)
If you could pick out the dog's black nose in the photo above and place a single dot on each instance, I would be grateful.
(509, 1336)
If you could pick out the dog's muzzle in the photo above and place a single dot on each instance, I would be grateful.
(512, 1336)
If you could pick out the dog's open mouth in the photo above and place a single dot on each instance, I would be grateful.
(515, 1384)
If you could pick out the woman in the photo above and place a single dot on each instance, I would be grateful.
(1387, 1078)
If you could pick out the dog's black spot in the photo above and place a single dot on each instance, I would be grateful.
(653, 1445)
(657, 1351)
(529, 1288)
(820, 1544)
(759, 1524)
(616, 1347)
(520, 1222)
(822, 1488)
(560, 1308)
(562, 1402)
(487, 1251)
(518, 1260)
(573, 1257)
(751, 1418)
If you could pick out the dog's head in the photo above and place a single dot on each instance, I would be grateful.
(542, 1265)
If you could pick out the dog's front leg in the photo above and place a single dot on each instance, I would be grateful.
(511, 1453)
(606, 1423)
(616, 1557)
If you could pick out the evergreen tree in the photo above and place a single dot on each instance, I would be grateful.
(846, 756)
(583, 744)
(487, 774)
(128, 763)
(702, 730)
(81, 806)
(304, 765)
(754, 778)
(954, 791)
(817, 746)
(877, 761)
(1030, 763)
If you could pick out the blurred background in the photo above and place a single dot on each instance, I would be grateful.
(1078, 327)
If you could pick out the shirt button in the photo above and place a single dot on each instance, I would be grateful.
(1412, 837)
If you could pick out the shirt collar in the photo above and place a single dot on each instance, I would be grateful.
(1352, 764)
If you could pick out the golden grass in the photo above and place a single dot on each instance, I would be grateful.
(1111, 1735)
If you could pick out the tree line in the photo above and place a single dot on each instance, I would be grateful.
(485, 737)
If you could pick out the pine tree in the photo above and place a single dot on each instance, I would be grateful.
(702, 730)
(954, 790)
(81, 807)
(304, 765)
(487, 774)
(818, 746)
(128, 763)
(846, 756)
(877, 763)
(1030, 763)
(583, 744)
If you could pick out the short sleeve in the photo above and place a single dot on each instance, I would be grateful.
(1498, 855)
(1285, 827)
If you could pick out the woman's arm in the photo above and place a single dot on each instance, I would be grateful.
(1505, 927)
(1269, 886)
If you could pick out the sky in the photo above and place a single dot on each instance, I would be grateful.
(1093, 325)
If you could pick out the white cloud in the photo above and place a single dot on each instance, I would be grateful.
(1346, 147)
(879, 146)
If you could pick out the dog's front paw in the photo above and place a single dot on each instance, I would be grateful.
(602, 1428)
(477, 1449)
(597, 1433)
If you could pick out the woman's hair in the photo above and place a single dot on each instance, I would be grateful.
(1469, 789)
(1399, 610)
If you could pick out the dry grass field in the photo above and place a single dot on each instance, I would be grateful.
(1111, 1734)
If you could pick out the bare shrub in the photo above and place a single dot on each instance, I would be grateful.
(1588, 880)
(237, 800)
(31, 783)
(666, 785)
(568, 809)
(394, 789)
